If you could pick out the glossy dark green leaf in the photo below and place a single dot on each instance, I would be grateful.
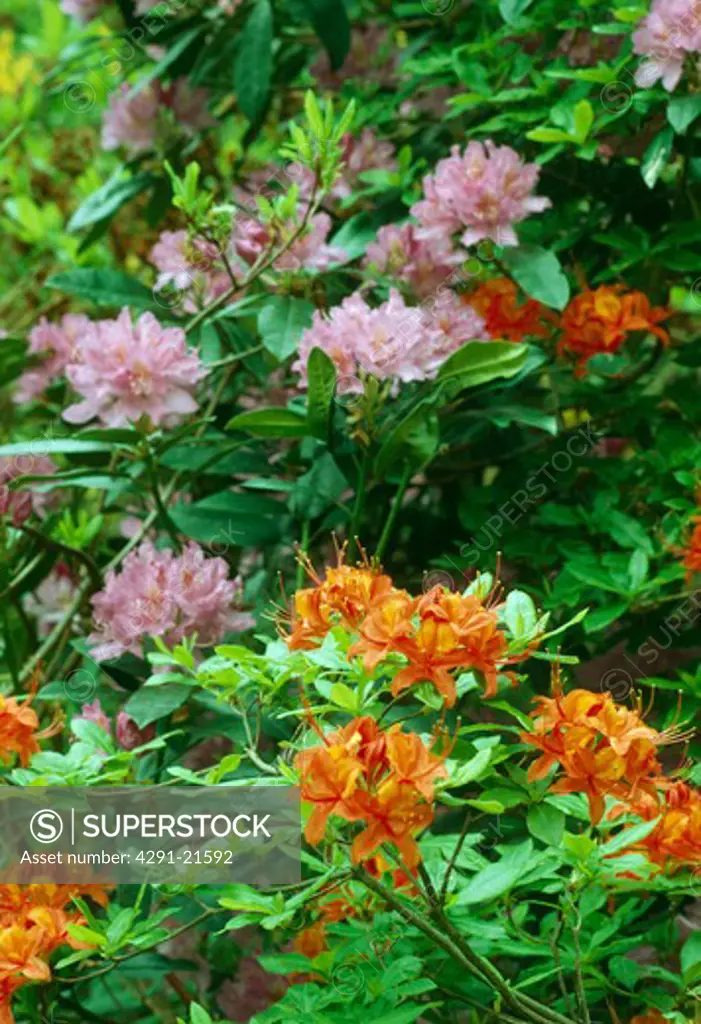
(321, 385)
(281, 323)
(254, 62)
(331, 24)
(539, 273)
(104, 288)
(272, 422)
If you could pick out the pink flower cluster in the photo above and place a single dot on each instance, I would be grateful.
(158, 593)
(21, 503)
(373, 57)
(136, 122)
(51, 600)
(482, 192)
(670, 31)
(424, 263)
(392, 342)
(129, 735)
(124, 371)
(59, 345)
(309, 251)
(191, 267)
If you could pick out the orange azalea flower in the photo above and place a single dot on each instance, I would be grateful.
(594, 773)
(676, 838)
(328, 778)
(385, 629)
(363, 740)
(497, 302)
(20, 954)
(346, 595)
(692, 551)
(8, 986)
(312, 940)
(394, 815)
(19, 730)
(411, 763)
(384, 779)
(604, 749)
(455, 631)
(600, 320)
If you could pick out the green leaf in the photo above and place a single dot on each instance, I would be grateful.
(226, 519)
(345, 697)
(198, 1015)
(321, 386)
(104, 287)
(150, 703)
(110, 198)
(546, 823)
(656, 156)
(318, 489)
(254, 61)
(638, 568)
(629, 837)
(545, 134)
(683, 111)
(60, 446)
(602, 617)
(583, 120)
(691, 957)
(479, 362)
(273, 422)
(498, 878)
(281, 323)
(539, 273)
(330, 22)
(511, 10)
(520, 614)
(414, 440)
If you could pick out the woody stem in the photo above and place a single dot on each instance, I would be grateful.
(477, 965)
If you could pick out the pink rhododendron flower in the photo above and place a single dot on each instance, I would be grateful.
(309, 251)
(129, 735)
(131, 122)
(82, 10)
(482, 192)
(51, 600)
(133, 370)
(21, 503)
(365, 153)
(392, 342)
(189, 106)
(134, 122)
(670, 31)
(158, 593)
(194, 268)
(94, 713)
(424, 263)
(373, 57)
(59, 344)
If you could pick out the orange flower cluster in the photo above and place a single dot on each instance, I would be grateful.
(599, 320)
(497, 302)
(382, 778)
(676, 839)
(604, 749)
(19, 730)
(33, 923)
(436, 633)
(652, 1017)
(608, 750)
